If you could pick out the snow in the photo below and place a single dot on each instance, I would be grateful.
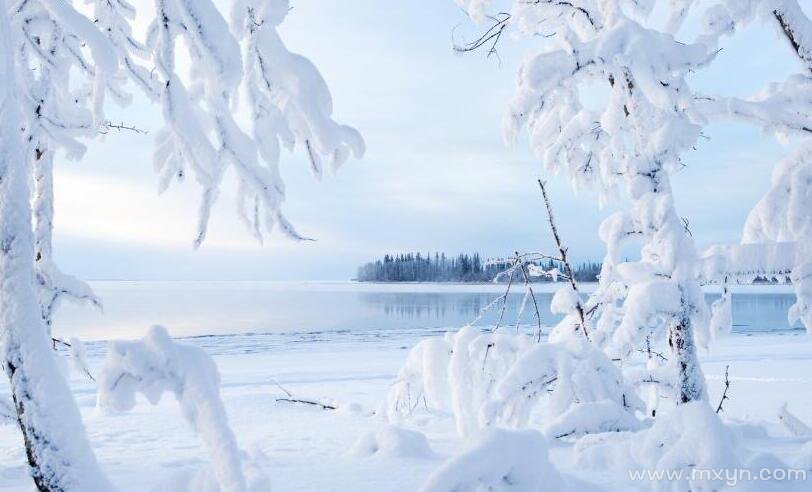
(309, 449)
(632, 141)
(532, 407)
(499, 460)
(393, 442)
(691, 436)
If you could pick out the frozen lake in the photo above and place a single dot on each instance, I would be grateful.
(308, 310)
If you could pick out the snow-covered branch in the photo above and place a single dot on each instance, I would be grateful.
(155, 365)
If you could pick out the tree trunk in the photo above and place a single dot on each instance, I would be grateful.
(57, 449)
(690, 381)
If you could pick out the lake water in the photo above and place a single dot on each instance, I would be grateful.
(307, 311)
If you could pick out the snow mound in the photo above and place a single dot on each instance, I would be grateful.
(393, 442)
(691, 436)
(592, 417)
(499, 460)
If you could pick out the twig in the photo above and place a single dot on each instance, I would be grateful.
(56, 341)
(532, 295)
(492, 35)
(107, 126)
(504, 300)
(652, 352)
(578, 305)
(324, 406)
(724, 394)
(284, 390)
(485, 310)
(291, 399)
(521, 310)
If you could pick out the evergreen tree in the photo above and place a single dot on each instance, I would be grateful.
(415, 267)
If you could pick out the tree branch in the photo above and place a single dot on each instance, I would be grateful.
(563, 251)
(724, 394)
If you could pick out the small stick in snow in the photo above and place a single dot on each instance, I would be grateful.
(324, 406)
(291, 399)
(727, 387)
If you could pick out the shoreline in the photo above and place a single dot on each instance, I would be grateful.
(439, 287)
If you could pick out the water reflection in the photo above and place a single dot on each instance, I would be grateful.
(751, 312)
(197, 308)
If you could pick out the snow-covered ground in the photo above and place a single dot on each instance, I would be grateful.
(307, 448)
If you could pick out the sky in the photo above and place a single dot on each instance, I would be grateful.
(437, 175)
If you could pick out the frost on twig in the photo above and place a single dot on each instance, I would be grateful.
(567, 301)
(78, 355)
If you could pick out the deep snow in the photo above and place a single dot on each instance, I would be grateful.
(302, 447)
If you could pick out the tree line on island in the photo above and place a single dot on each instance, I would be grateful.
(439, 267)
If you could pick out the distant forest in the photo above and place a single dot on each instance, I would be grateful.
(437, 267)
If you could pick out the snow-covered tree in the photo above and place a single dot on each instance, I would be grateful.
(778, 231)
(630, 141)
(60, 65)
(288, 102)
(41, 43)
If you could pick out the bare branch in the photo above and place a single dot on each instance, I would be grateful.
(491, 36)
(504, 301)
(532, 295)
(109, 126)
(724, 394)
(324, 406)
(563, 250)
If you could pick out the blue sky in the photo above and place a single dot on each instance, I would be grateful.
(436, 176)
